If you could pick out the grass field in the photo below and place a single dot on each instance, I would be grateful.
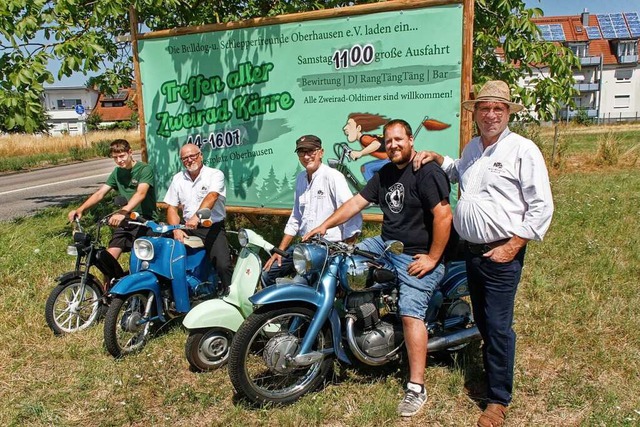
(577, 319)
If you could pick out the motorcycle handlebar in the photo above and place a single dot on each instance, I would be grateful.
(280, 252)
(365, 254)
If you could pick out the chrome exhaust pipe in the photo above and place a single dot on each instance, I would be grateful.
(368, 360)
(453, 339)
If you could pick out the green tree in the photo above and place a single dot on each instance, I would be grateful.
(507, 46)
(82, 36)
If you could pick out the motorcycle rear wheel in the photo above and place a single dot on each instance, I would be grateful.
(67, 311)
(123, 332)
(258, 367)
(208, 349)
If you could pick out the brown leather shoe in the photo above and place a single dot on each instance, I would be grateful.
(493, 416)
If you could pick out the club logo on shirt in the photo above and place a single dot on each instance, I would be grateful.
(134, 182)
(496, 167)
(395, 197)
(320, 193)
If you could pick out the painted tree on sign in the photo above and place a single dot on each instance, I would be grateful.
(72, 37)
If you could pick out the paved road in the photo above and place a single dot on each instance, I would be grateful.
(26, 193)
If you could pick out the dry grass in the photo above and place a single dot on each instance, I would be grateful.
(16, 145)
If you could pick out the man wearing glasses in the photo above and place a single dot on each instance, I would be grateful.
(198, 187)
(505, 201)
(320, 190)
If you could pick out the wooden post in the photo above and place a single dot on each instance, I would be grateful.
(466, 117)
(555, 142)
(133, 29)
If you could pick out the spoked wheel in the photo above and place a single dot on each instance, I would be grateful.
(125, 327)
(208, 349)
(70, 309)
(260, 363)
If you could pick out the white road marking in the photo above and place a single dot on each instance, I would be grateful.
(53, 183)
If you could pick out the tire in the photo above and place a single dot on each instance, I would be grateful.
(66, 311)
(122, 332)
(257, 361)
(208, 349)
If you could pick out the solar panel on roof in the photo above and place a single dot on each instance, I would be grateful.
(606, 26)
(552, 33)
(593, 33)
(633, 22)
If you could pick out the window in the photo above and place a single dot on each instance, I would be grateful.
(627, 48)
(621, 101)
(581, 50)
(624, 75)
(68, 104)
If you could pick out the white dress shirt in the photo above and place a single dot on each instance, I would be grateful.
(315, 201)
(189, 193)
(504, 189)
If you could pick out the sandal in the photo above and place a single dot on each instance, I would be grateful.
(493, 416)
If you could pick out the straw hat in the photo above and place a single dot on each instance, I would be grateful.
(494, 91)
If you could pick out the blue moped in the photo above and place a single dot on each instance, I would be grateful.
(167, 278)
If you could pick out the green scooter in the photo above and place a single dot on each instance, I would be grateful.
(212, 324)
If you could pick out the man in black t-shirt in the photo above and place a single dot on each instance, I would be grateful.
(416, 211)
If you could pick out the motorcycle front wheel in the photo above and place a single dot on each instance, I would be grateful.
(208, 349)
(70, 309)
(260, 365)
(125, 328)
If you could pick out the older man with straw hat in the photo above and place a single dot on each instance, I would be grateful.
(505, 201)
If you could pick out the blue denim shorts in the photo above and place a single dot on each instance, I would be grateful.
(414, 293)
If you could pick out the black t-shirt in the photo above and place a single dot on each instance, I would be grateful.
(406, 199)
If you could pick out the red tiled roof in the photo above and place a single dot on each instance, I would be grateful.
(575, 32)
(115, 114)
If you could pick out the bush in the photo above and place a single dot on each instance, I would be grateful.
(102, 148)
(93, 121)
(608, 153)
(582, 117)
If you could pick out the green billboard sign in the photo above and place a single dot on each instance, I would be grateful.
(245, 95)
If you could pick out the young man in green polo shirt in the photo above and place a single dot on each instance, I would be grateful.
(133, 180)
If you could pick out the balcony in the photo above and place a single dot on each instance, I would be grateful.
(588, 61)
(591, 113)
(586, 87)
(628, 59)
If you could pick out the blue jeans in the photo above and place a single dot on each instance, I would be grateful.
(414, 293)
(493, 289)
(370, 168)
(285, 269)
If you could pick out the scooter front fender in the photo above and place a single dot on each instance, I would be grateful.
(214, 313)
(143, 281)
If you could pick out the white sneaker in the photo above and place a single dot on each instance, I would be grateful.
(411, 403)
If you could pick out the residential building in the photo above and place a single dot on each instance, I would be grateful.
(609, 78)
(60, 106)
(116, 108)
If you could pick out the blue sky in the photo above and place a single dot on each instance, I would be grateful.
(550, 8)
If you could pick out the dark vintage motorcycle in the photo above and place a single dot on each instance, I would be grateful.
(77, 301)
(286, 348)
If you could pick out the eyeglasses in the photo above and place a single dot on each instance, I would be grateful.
(498, 111)
(309, 153)
(190, 157)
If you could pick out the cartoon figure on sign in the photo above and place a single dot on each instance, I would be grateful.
(358, 128)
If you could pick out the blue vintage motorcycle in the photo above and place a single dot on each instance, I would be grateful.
(286, 348)
(167, 278)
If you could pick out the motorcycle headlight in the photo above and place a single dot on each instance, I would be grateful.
(309, 258)
(243, 237)
(143, 249)
(72, 250)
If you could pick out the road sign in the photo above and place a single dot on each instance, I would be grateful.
(79, 109)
